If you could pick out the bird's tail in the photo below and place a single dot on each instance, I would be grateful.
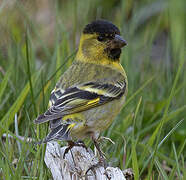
(61, 132)
(58, 131)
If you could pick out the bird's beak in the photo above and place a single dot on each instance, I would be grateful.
(117, 42)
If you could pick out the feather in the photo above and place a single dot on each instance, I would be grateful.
(81, 98)
(61, 132)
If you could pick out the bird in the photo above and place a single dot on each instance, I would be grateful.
(92, 91)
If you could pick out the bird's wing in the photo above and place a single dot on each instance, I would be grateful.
(81, 98)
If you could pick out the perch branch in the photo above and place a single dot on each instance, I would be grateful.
(77, 162)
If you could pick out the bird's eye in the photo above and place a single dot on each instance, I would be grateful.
(100, 38)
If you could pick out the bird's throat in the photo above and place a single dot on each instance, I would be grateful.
(113, 54)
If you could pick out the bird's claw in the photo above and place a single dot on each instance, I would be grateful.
(106, 138)
(71, 144)
(101, 163)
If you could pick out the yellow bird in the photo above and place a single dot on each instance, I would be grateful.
(92, 91)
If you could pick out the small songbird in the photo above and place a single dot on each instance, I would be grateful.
(92, 91)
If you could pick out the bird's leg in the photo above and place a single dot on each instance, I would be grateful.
(102, 158)
(82, 144)
(71, 144)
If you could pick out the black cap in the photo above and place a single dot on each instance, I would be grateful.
(101, 27)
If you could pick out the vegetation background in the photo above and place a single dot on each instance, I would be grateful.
(38, 40)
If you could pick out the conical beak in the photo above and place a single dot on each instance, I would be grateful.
(118, 42)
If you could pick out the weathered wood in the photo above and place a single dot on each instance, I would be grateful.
(76, 163)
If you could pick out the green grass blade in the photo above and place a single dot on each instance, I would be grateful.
(158, 130)
(177, 163)
(159, 145)
(171, 177)
(29, 75)
(135, 161)
(9, 116)
(4, 83)
(134, 155)
(162, 171)
(139, 90)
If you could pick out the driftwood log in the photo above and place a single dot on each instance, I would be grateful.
(76, 163)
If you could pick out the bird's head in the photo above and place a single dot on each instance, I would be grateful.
(100, 41)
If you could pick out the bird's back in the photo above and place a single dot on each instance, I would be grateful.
(80, 72)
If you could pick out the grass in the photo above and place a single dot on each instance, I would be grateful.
(149, 133)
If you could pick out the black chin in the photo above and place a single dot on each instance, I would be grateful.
(114, 53)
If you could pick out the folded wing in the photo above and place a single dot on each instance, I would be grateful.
(81, 98)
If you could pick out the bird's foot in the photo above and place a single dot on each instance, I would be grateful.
(71, 144)
(101, 163)
(100, 152)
